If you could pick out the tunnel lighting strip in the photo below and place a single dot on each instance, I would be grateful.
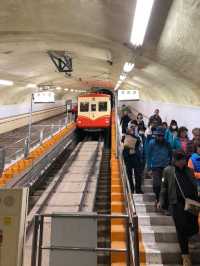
(140, 21)
(6, 82)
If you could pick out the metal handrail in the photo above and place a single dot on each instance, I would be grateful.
(130, 205)
(52, 129)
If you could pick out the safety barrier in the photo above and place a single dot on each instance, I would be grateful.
(25, 163)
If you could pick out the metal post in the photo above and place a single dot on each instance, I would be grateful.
(41, 136)
(35, 241)
(30, 123)
(40, 241)
(116, 126)
(26, 147)
(2, 159)
(66, 120)
(52, 126)
(136, 241)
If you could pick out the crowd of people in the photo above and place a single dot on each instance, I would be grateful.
(166, 154)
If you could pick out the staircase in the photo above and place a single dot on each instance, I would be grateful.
(159, 245)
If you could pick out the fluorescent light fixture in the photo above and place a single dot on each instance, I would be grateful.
(66, 89)
(140, 21)
(128, 67)
(58, 88)
(6, 82)
(122, 77)
(31, 86)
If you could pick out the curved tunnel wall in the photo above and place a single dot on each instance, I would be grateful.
(16, 116)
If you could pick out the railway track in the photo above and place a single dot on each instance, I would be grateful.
(71, 185)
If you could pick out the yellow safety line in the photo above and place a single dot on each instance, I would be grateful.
(23, 164)
(118, 227)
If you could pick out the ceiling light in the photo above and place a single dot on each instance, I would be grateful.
(140, 21)
(122, 77)
(128, 67)
(72, 90)
(66, 89)
(31, 86)
(58, 88)
(6, 82)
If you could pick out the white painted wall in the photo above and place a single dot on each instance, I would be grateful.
(20, 109)
(185, 115)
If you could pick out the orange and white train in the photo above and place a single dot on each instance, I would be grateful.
(94, 111)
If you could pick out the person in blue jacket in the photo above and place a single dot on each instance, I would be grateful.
(171, 136)
(159, 156)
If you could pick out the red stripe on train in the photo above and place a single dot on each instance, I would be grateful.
(85, 122)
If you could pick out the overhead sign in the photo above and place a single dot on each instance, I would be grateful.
(128, 95)
(44, 97)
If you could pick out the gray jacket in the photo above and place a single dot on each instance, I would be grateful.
(168, 194)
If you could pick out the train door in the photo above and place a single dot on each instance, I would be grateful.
(93, 109)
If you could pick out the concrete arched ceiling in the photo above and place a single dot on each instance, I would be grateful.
(95, 32)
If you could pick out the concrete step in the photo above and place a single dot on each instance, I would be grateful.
(144, 208)
(154, 219)
(148, 189)
(150, 197)
(165, 253)
(163, 234)
(148, 182)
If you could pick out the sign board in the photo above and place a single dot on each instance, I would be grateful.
(77, 232)
(128, 95)
(44, 97)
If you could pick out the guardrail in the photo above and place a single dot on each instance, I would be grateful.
(39, 134)
(38, 233)
(129, 203)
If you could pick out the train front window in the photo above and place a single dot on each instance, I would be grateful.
(103, 106)
(93, 107)
(84, 107)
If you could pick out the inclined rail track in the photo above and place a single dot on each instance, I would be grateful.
(73, 188)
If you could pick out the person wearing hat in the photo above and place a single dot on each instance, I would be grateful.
(159, 155)
(177, 177)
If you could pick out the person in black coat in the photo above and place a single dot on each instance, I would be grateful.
(131, 144)
(124, 122)
(175, 177)
(155, 118)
